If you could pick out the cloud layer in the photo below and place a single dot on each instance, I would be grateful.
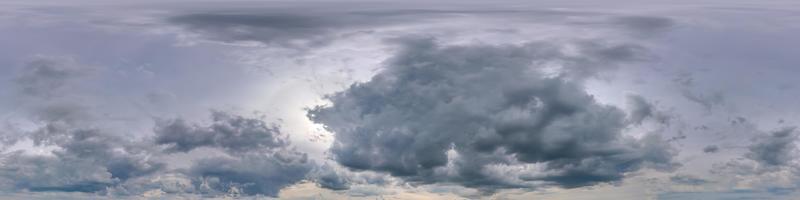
(458, 114)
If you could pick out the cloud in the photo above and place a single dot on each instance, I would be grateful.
(47, 76)
(685, 179)
(39, 173)
(475, 114)
(327, 176)
(776, 149)
(645, 25)
(87, 160)
(47, 88)
(305, 26)
(641, 109)
(261, 161)
(708, 101)
(251, 174)
(229, 132)
(711, 149)
(84, 156)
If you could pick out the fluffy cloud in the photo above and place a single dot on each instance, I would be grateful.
(87, 160)
(261, 160)
(486, 116)
(232, 133)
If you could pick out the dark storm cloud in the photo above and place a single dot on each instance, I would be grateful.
(230, 132)
(446, 113)
(776, 149)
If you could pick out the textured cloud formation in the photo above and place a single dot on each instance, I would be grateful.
(262, 161)
(251, 175)
(318, 25)
(776, 149)
(641, 109)
(687, 180)
(86, 158)
(711, 149)
(88, 161)
(44, 76)
(232, 133)
(463, 114)
(102, 100)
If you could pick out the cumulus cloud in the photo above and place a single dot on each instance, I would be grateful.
(230, 132)
(261, 160)
(473, 114)
(87, 160)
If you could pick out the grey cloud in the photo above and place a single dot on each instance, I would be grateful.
(708, 101)
(711, 149)
(326, 176)
(641, 109)
(261, 160)
(39, 173)
(645, 25)
(447, 113)
(47, 76)
(87, 161)
(262, 174)
(96, 160)
(685, 179)
(46, 87)
(304, 26)
(289, 30)
(229, 132)
(776, 149)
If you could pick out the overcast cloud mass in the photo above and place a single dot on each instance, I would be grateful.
(540, 99)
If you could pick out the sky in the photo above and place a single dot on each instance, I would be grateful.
(508, 99)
